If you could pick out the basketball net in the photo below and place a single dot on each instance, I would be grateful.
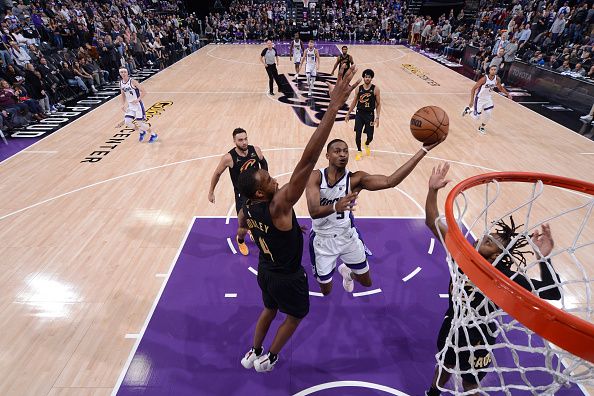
(520, 362)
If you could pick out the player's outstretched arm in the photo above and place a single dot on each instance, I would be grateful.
(263, 162)
(437, 181)
(317, 211)
(225, 162)
(547, 287)
(501, 88)
(287, 196)
(364, 181)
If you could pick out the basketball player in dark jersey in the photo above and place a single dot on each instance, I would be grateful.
(480, 334)
(238, 159)
(367, 101)
(270, 217)
(343, 61)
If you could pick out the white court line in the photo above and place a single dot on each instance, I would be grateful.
(150, 314)
(587, 153)
(161, 275)
(130, 335)
(367, 293)
(207, 157)
(38, 152)
(431, 246)
(229, 212)
(443, 295)
(230, 295)
(411, 275)
(316, 294)
(231, 246)
(253, 271)
(412, 199)
(351, 384)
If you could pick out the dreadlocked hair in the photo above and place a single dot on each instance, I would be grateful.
(507, 232)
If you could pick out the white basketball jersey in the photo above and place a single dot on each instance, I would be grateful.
(338, 222)
(310, 57)
(296, 48)
(486, 89)
(130, 92)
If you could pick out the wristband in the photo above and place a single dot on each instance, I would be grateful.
(334, 207)
(424, 149)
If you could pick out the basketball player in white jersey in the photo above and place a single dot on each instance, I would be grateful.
(331, 194)
(295, 53)
(311, 59)
(481, 102)
(134, 114)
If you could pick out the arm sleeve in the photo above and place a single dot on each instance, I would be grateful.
(264, 163)
(547, 288)
(263, 52)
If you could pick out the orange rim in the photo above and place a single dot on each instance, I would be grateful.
(568, 332)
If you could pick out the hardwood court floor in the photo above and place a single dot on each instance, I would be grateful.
(82, 242)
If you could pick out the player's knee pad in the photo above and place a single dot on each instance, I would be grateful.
(129, 122)
(486, 116)
(143, 125)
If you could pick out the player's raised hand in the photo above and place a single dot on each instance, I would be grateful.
(347, 202)
(438, 176)
(340, 92)
(543, 240)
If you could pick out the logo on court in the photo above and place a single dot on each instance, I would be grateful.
(419, 73)
(118, 138)
(309, 110)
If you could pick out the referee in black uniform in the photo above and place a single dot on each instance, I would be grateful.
(269, 58)
(271, 219)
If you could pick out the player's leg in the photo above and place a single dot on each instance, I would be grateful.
(312, 79)
(355, 266)
(369, 129)
(143, 125)
(487, 112)
(359, 122)
(442, 376)
(129, 123)
(264, 321)
(270, 79)
(323, 261)
(291, 293)
(241, 231)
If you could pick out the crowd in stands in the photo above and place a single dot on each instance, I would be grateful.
(54, 51)
(543, 32)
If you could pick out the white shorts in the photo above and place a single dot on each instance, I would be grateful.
(297, 58)
(310, 69)
(325, 250)
(481, 105)
(135, 111)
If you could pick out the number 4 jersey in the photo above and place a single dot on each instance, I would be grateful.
(280, 251)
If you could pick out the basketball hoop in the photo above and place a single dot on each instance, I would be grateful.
(567, 330)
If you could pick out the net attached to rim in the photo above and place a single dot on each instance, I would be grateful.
(504, 337)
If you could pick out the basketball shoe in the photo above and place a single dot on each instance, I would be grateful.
(367, 150)
(481, 130)
(153, 138)
(141, 136)
(264, 363)
(347, 282)
(249, 358)
(243, 249)
(358, 156)
(466, 111)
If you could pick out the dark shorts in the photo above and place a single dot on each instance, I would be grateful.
(289, 293)
(364, 122)
(480, 359)
(239, 201)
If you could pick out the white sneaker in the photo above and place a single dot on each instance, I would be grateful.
(466, 111)
(586, 118)
(262, 364)
(481, 130)
(249, 359)
(347, 282)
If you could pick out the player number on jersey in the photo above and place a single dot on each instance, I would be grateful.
(265, 249)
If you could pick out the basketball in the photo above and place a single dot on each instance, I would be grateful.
(429, 124)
